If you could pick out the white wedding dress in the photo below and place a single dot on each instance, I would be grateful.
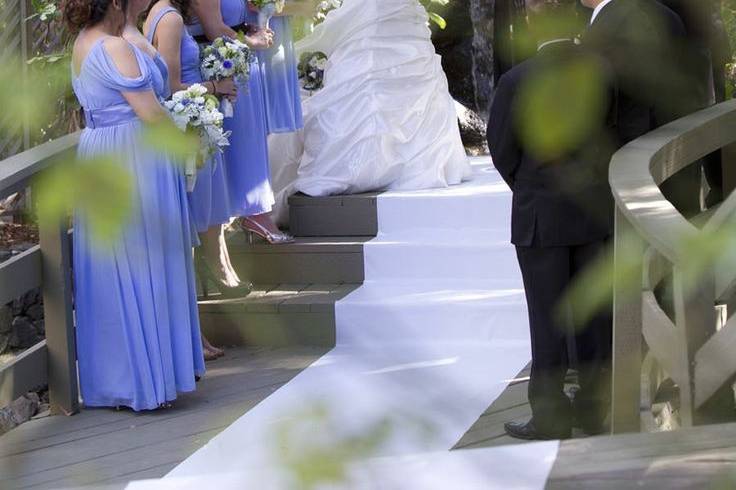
(384, 119)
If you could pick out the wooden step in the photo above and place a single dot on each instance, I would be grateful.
(311, 260)
(283, 315)
(355, 215)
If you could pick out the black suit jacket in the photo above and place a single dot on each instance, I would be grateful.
(708, 47)
(642, 40)
(565, 201)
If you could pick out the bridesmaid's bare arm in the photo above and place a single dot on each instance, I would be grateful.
(144, 103)
(210, 17)
(167, 41)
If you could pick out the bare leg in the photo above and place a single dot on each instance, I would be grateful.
(215, 251)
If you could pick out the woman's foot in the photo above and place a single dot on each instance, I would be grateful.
(210, 356)
(263, 226)
(210, 349)
(213, 266)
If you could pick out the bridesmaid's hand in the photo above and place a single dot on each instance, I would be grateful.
(226, 88)
(260, 39)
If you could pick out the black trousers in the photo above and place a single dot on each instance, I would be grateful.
(547, 273)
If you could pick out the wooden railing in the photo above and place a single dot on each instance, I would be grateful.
(47, 266)
(682, 341)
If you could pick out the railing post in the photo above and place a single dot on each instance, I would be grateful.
(59, 317)
(627, 331)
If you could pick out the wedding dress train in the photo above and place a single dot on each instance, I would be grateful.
(384, 119)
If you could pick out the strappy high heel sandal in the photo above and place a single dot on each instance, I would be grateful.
(207, 276)
(253, 228)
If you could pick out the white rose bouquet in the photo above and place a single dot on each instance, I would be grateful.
(311, 70)
(195, 111)
(267, 9)
(226, 58)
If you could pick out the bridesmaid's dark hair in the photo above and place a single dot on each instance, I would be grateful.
(79, 14)
(184, 7)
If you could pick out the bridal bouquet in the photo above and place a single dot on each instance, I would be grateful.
(226, 58)
(195, 111)
(311, 70)
(325, 7)
(267, 9)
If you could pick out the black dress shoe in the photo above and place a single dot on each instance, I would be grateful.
(529, 432)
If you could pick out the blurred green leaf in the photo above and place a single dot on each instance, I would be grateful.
(167, 138)
(100, 190)
(33, 98)
(592, 291)
(560, 107)
(313, 463)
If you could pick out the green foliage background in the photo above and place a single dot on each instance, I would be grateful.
(728, 9)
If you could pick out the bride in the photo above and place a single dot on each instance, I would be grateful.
(384, 119)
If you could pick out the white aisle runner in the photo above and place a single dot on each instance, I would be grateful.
(423, 348)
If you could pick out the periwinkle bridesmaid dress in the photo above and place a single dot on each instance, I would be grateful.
(281, 89)
(138, 338)
(246, 159)
(210, 199)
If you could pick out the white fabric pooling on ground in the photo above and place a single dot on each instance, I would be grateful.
(423, 348)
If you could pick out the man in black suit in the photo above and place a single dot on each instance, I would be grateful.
(709, 51)
(658, 75)
(561, 215)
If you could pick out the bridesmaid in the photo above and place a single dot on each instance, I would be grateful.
(209, 201)
(281, 89)
(138, 335)
(246, 159)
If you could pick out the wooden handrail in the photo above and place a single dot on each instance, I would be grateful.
(689, 346)
(639, 168)
(48, 266)
(17, 171)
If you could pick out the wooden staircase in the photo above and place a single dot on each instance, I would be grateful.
(296, 285)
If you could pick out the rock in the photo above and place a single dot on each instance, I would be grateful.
(40, 326)
(7, 422)
(6, 319)
(21, 305)
(4, 342)
(24, 333)
(21, 247)
(35, 312)
(17, 306)
(472, 130)
(24, 407)
(19, 411)
(467, 52)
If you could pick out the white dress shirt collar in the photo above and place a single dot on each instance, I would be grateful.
(598, 9)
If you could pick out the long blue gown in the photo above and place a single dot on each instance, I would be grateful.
(246, 159)
(281, 89)
(138, 338)
(210, 199)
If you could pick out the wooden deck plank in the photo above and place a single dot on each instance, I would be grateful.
(219, 382)
(688, 458)
(511, 405)
(44, 430)
(145, 445)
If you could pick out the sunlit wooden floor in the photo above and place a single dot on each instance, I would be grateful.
(105, 447)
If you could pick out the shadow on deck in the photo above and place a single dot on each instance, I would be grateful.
(106, 447)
